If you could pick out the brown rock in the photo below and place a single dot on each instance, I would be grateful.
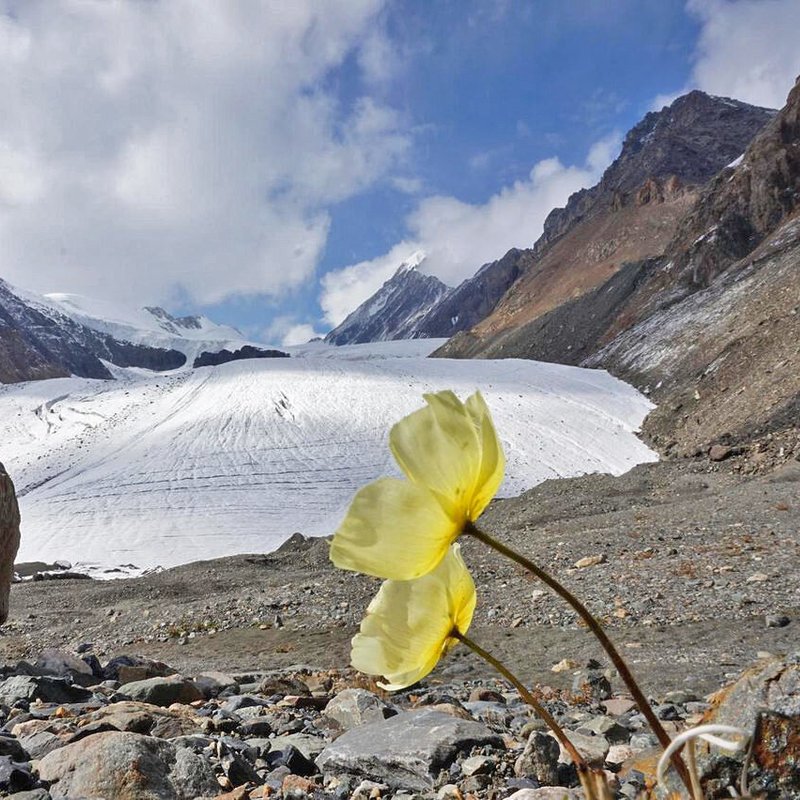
(295, 786)
(590, 561)
(719, 452)
(240, 793)
(9, 539)
(775, 756)
(617, 706)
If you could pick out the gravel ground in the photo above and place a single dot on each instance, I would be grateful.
(695, 560)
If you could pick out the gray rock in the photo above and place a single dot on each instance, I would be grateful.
(211, 684)
(547, 793)
(593, 748)
(477, 765)
(641, 741)
(490, 712)
(129, 766)
(63, 665)
(10, 746)
(257, 726)
(162, 691)
(353, 707)
(593, 683)
(40, 687)
(41, 743)
(406, 751)
(605, 726)
(539, 759)
(309, 746)
(32, 794)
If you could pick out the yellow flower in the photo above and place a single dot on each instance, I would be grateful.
(409, 624)
(401, 529)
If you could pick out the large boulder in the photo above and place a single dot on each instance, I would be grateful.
(406, 751)
(127, 766)
(9, 539)
(162, 691)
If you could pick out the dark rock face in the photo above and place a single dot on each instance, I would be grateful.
(39, 342)
(206, 359)
(742, 204)
(693, 139)
(395, 311)
(475, 298)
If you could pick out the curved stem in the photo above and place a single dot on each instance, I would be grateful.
(580, 762)
(595, 627)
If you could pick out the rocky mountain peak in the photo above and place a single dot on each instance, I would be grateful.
(689, 140)
(395, 309)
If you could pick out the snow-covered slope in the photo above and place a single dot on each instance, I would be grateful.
(202, 463)
(151, 326)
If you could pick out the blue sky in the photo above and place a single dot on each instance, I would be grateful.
(271, 164)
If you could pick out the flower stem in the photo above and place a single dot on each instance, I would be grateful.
(577, 758)
(595, 627)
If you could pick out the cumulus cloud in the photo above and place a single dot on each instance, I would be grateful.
(748, 49)
(286, 330)
(457, 237)
(300, 334)
(175, 148)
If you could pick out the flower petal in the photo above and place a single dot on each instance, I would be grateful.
(393, 529)
(408, 624)
(493, 461)
(438, 447)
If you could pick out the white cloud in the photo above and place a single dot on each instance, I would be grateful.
(458, 237)
(286, 331)
(406, 185)
(175, 147)
(299, 334)
(748, 49)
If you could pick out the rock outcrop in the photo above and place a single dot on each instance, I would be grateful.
(206, 359)
(9, 539)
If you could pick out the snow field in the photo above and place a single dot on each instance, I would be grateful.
(194, 464)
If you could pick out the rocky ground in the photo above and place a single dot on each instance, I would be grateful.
(692, 565)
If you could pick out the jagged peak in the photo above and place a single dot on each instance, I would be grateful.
(412, 262)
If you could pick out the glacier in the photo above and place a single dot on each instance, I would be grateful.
(164, 469)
